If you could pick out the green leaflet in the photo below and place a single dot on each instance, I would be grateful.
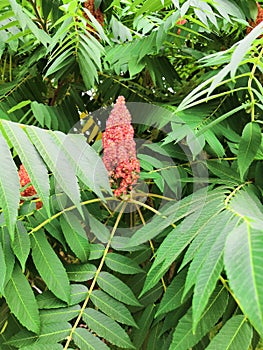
(49, 266)
(75, 235)
(81, 272)
(243, 262)
(183, 336)
(42, 347)
(172, 298)
(30, 158)
(60, 314)
(87, 341)
(25, 306)
(48, 300)
(50, 333)
(144, 321)
(236, 334)
(248, 147)
(21, 244)
(58, 163)
(9, 186)
(111, 307)
(116, 288)
(122, 264)
(106, 328)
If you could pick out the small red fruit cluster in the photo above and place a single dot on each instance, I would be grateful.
(258, 20)
(30, 190)
(120, 149)
(89, 5)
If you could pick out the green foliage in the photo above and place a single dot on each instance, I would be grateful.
(176, 263)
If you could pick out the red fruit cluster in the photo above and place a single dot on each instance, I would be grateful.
(120, 149)
(30, 190)
(258, 20)
(89, 5)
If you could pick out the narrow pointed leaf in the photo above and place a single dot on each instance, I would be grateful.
(9, 186)
(85, 160)
(111, 307)
(106, 328)
(21, 300)
(2, 269)
(48, 300)
(57, 162)
(236, 334)
(60, 314)
(248, 147)
(21, 244)
(81, 272)
(243, 262)
(87, 341)
(173, 295)
(75, 236)
(50, 267)
(122, 264)
(30, 158)
(42, 347)
(117, 289)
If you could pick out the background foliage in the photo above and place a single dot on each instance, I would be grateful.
(190, 275)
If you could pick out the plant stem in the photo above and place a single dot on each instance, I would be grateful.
(249, 85)
(95, 277)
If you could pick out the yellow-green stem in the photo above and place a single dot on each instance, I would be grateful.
(95, 277)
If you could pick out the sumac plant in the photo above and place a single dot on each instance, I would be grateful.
(150, 237)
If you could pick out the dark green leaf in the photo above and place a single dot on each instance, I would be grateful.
(81, 272)
(117, 289)
(122, 264)
(236, 334)
(50, 267)
(87, 341)
(107, 328)
(112, 307)
(21, 300)
(21, 244)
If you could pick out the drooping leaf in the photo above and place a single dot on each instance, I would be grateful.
(21, 300)
(9, 186)
(57, 162)
(31, 160)
(75, 235)
(111, 307)
(116, 288)
(50, 267)
(86, 162)
(21, 244)
(236, 334)
(243, 262)
(107, 328)
(87, 341)
(248, 147)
